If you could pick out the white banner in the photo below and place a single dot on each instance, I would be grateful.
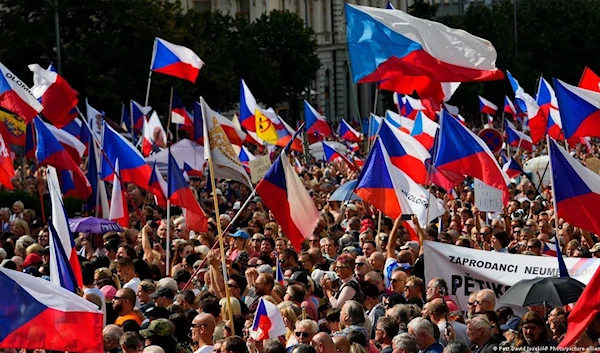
(487, 198)
(468, 270)
(259, 168)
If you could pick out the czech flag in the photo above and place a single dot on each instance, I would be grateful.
(55, 94)
(424, 130)
(405, 152)
(315, 122)
(385, 43)
(576, 190)
(155, 136)
(248, 107)
(279, 273)
(92, 175)
(50, 152)
(7, 170)
(119, 212)
(443, 178)
(390, 6)
(285, 195)
(180, 194)
(394, 119)
(512, 168)
(549, 249)
(268, 322)
(459, 150)
(546, 99)
(178, 113)
(519, 92)
(71, 144)
(133, 167)
(46, 316)
(509, 107)
(517, 138)
(139, 114)
(348, 133)
(245, 157)
(175, 60)
(579, 110)
(74, 128)
(331, 154)
(381, 183)
(158, 187)
(589, 80)
(198, 136)
(190, 171)
(16, 97)
(451, 109)
(487, 107)
(371, 126)
(65, 270)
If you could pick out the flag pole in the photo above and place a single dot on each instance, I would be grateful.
(131, 120)
(170, 114)
(220, 236)
(168, 249)
(150, 75)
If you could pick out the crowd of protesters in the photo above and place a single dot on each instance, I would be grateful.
(357, 285)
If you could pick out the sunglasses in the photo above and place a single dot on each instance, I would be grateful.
(302, 334)
(360, 264)
(198, 325)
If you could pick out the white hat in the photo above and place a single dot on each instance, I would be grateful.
(237, 205)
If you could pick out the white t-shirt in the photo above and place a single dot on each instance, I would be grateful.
(99, 293)
(205, 349)
(133, 284)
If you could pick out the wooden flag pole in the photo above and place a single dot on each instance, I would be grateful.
(170, 114)
(221, 244)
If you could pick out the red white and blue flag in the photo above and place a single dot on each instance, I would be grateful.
(576, 190)
(175, 60)
(38, 314)
(268, 322)
(315, 122)
(546, 99)
(424, 130)
(487, 107)
(55, 94)
(180, 194)
(579, 110)
(16, 97)
(279, 273)
(348, 133)
(119, 212)
(331, 154)
(139, 114)
(509, 107)
(459, 150)
(158, 187)
(517, 138)
(285, 195)
(248, 107)
(65, 270)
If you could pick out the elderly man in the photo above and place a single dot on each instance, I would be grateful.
(479, 331)
(438, 314)
(323, 343)
(352, 317)
(342, 345)
(203, 328)
(404, 343)
(422, 330)
(437, 288)
(485, 301)
(305, 331)
(361, 268)
(111, 335)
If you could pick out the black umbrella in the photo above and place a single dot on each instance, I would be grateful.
(552, 291)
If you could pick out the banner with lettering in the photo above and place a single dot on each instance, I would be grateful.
(468, 270)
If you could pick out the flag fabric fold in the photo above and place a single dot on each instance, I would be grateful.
(180, 194)
(487, 107)
(516, 138)
(16, 97)
(55, 94)
(285, 195)
(268, 322)
(7, 170)
(119, 212)
(579, 110)
(175, 60)
(315, 122)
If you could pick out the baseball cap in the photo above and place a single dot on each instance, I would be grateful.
(240, 234)
(595, 248)
(410, 245)
(236, 205)
(265, 269)
(351, 207)
(159, 327)
(298, 277)
(163, 292)
(32, 259)
(512, 324)
(109, 292)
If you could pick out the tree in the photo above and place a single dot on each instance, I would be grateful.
(106, 48)
(423, 9)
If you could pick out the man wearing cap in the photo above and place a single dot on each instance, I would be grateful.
(32, 260)
(203, 327)
(511, 331)
(123, 303)
(146, 288)
(163, 297)
(160, 332)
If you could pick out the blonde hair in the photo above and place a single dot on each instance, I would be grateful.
(235, 306)
(34, 248)
(22, 223)
(290, 311)
(357, 348)
(104, 272)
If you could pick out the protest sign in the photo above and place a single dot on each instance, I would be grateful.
(487, 198)
(259, 167)
(468, 270)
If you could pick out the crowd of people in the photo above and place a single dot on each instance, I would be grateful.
(356, 285)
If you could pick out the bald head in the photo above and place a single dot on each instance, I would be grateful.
(323, 343)
(485, 301)
(203, 328)
(341, 344)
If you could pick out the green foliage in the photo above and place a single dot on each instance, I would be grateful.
(107, 46)
(423, 9)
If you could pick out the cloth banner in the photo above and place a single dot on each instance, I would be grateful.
(468, 270)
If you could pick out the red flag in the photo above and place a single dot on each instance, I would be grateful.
(7, 170)
(585, 310)
(589, 80)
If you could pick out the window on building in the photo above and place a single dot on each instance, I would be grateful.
(244, 9)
